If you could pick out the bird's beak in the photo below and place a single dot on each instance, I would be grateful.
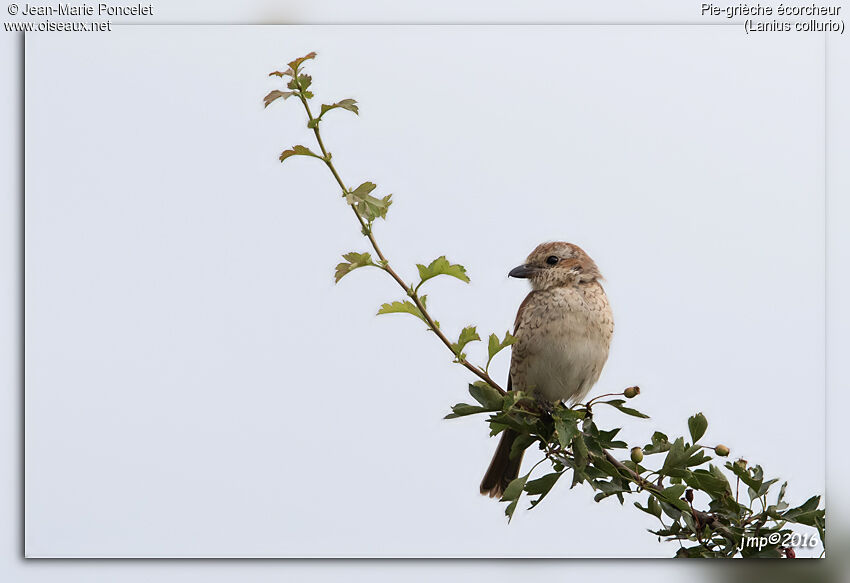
(523, 271)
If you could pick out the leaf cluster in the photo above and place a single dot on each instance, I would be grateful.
(577, 450)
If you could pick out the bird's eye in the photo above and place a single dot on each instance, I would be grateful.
(552, 260)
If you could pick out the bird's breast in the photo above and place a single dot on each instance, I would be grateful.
(563, 336)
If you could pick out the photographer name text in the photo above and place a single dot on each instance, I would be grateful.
(100, 9)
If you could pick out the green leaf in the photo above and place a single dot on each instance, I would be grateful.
(513, 493)
(780, 498)
(467, 335)
(765, 486)
(675, 458)
(486, 395)
(298, 151)
(673, 493)
(352, 261)
(674, 528)
(348, 104)
(512, 420)
(591, 439)
(464, 409)
(368, 206)
(807, 513)
(647, 510)
(753, 480)
(708, 482)
(567, 429)
(441, 266)
(304, 81)
(513, 398)
(579, 476)
(541, 486)
(494, 346)
(297, 62)
(580, 450)
(697, 459)
(654, 506)
(697, 426)
(520, 444)
(268, 99)
(515, 487)
(609, 489)
(603, 464)
(671, 510)
(659, 444)
(606, 439)
(404, 307)
(618, 404)
(298, 83)
(718, 473)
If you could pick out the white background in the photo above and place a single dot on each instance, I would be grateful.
(493, 181)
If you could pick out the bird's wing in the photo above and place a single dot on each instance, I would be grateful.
(519, 350)
(521, 309)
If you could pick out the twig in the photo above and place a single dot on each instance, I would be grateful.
(384, 262)
(703, 517)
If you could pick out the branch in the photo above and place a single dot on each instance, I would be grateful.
(384, 262)
(702, 517)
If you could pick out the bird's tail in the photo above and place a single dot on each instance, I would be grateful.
(502, 468)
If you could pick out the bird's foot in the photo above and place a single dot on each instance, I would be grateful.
(545, 406)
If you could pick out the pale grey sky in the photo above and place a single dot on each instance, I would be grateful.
(196, 384)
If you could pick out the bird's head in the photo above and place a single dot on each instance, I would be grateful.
(557, 264)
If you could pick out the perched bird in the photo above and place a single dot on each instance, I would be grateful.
(563, 330)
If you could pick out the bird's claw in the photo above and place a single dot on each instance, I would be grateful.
(544, 405)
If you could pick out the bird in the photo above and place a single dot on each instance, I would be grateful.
(563, 331)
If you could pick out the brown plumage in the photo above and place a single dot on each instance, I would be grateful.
(563, 330)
